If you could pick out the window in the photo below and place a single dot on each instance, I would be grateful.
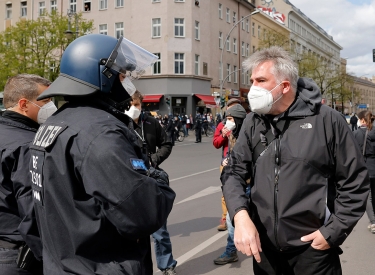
(178, 63)
(243, 48)
(247, 25)
(253, 29)
(247, 77)
(228, 15)
(119, 3)
(156, 27)
(197, 31)
(196, 64)
(228, 44)
(42, 8)
(8, 12)
(243, 23)
(229, 76)
(220, 11)
(87, 5)
(243, 76)
(205, 67)
(103, 29)
(235, 45)
(179, 27)
(103, 4)
(24, 9)
(220, 71)
(247, 49)
(157, 65)
(73, 5)
(234, 17)
(179, 0)
(258, 31)
(220, 40)
(119, 29)
(253, 49)
(235, 74)
(155, 1)
(53, 5)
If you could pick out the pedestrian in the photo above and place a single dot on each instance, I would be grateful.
(18, 125)
(191, 122)
(198, 128)
(183, 124)
(309, 184)
(188, 125)
(204, 124)
(97, 200)
(220, 141)
(171, 129)
(232, 128)
(158, 147)
(353, 121)
(365, 137)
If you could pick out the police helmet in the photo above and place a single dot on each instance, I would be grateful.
(92, 63)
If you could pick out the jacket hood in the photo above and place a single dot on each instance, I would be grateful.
(308, 99)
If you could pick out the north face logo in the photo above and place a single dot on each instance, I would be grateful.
(306, 126)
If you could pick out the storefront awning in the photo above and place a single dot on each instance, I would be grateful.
(151, 98)
(207, 99)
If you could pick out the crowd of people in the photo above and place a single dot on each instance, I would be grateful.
(82, 191)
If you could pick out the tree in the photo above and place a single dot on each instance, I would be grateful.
(274, 38)
(344, 83)
(36, 46)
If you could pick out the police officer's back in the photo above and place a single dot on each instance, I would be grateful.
(18, 125)
(98, 202)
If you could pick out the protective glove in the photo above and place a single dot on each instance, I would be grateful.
(159, 175)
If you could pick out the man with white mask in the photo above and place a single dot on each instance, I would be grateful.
(18, 125)
(157, 146)
(309, 184)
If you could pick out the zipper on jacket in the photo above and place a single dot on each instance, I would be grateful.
(276, 187)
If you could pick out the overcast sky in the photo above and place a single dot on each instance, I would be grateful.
(352, 25)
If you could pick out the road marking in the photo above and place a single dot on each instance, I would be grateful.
(201, 247)
(191, 175)
(205, 192)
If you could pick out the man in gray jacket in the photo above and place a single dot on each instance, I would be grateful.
(309, 184)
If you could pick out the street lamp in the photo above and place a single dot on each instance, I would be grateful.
(222, 50)
(68, 32)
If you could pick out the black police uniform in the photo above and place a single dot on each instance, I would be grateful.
(17, 219)
(95, 203)
(198, 128)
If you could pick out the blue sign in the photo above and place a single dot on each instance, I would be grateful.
(362, 106)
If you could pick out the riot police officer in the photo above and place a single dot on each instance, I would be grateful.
(97, 201)
(198, 128)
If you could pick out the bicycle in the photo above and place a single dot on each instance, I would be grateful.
(180, 136)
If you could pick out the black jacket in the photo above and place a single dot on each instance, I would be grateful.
(311, 177)
(17, 217)
(95, 203)
(370, 147)
(159, 145)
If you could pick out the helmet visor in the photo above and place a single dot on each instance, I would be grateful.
(131, 59)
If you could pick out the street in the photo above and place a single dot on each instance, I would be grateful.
(194, 175)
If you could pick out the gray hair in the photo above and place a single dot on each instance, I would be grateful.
(284, 66)
(22, 85)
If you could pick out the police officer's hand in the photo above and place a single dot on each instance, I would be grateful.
(317, 240)
(246, 236)
(159, 175)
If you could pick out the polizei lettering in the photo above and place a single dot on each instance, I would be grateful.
(46, 135)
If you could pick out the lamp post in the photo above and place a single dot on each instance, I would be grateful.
(222, 50)
(68, 32)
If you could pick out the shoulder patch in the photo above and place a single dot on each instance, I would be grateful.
(138, 164)
(46, 135)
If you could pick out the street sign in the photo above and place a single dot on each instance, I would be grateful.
(362, 106)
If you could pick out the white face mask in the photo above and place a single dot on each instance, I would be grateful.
(230, 125)
(260, 99)
(45, 111)
(128, 86)
(133, 112)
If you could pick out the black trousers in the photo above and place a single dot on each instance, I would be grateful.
(372, 190)
(198, 133)
(308, 261)
(8, 264)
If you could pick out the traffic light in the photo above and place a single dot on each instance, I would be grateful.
(168, 101)
(222, 102)
(373, 55)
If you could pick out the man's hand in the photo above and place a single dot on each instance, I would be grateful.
(246, 236)
(225, 162)
(318, 241)
(224, 132)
